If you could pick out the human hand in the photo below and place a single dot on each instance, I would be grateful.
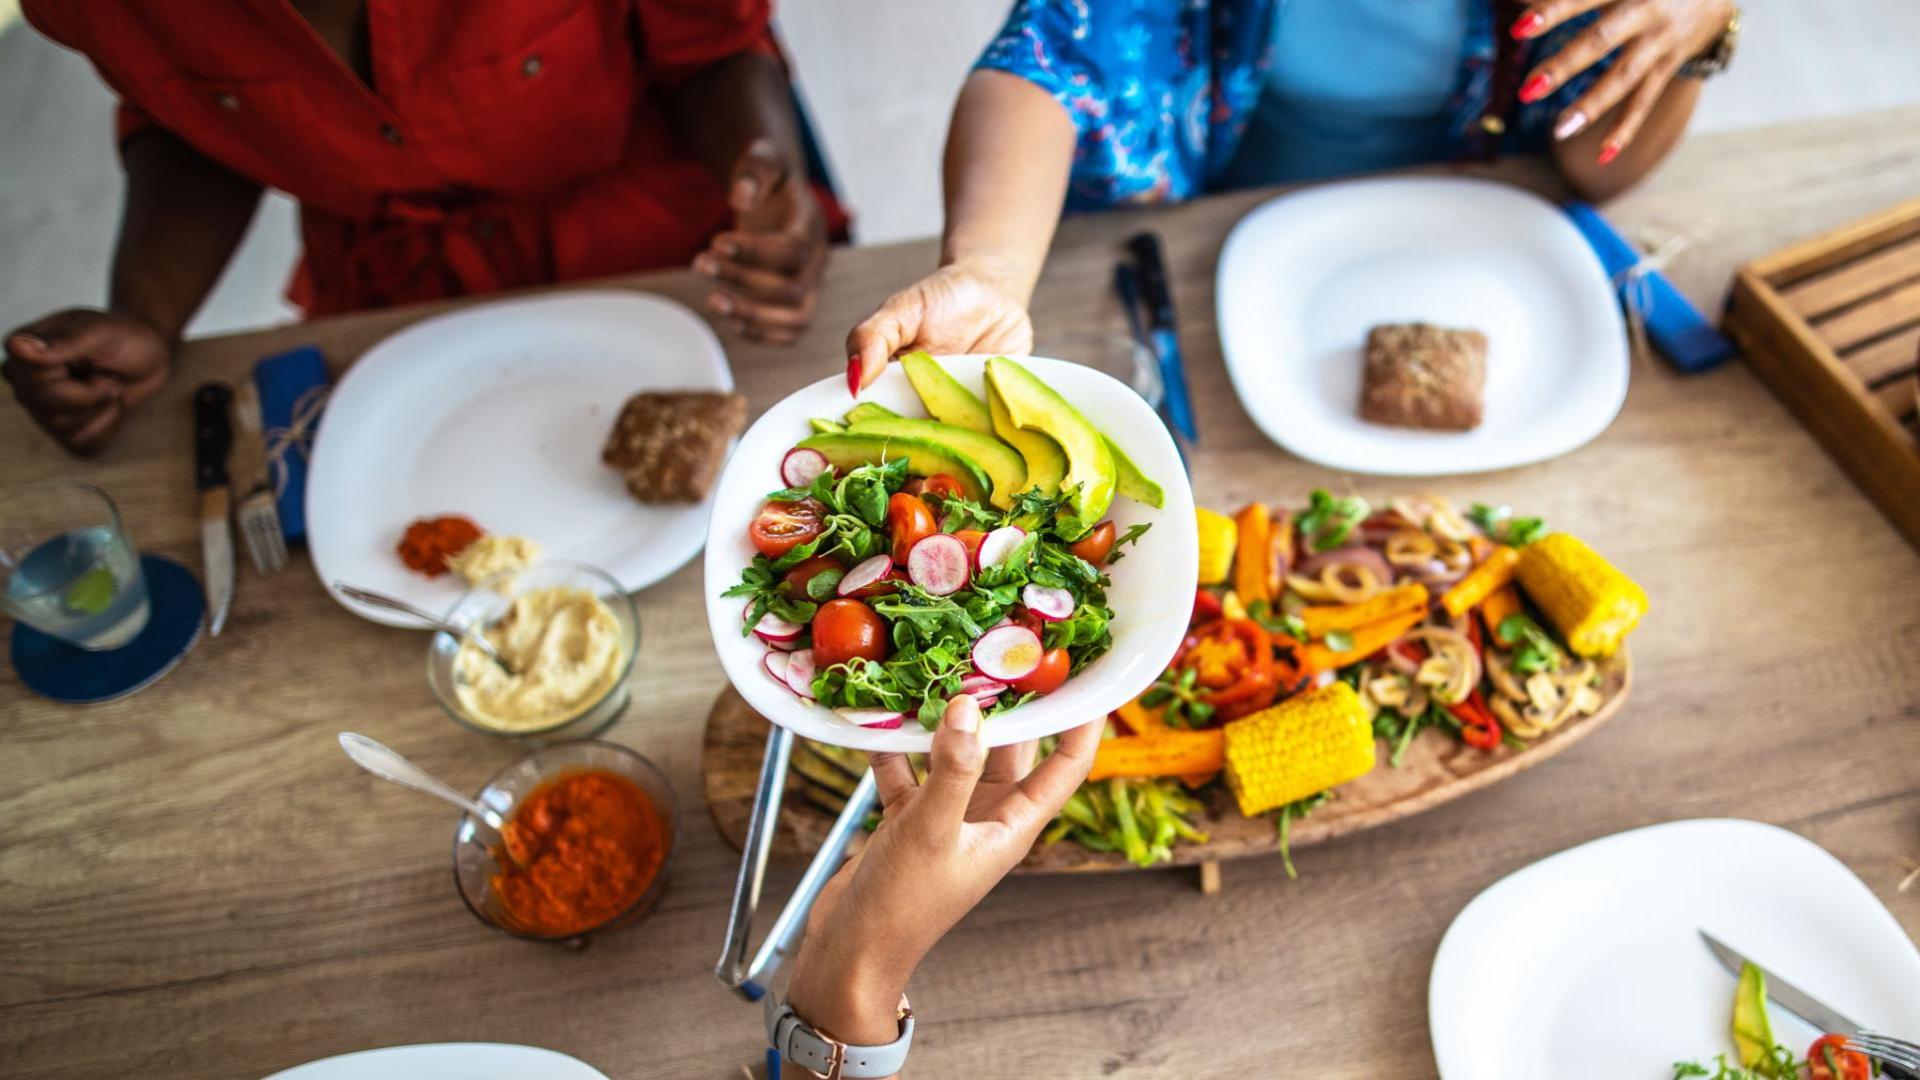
(1654, 38)
(963, 307)
(942, 845)
(79, 371)
(768, 265)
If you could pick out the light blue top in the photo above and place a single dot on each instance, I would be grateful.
(1356, 86)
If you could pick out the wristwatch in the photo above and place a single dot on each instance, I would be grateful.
(827, 1058)
(1718, 55)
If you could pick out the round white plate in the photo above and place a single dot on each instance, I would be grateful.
(1152, 593)
(1588, 965)
(446, 1061)
(1303, 278)
(498, 412)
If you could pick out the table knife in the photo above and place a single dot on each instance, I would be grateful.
(1163, 330)
(212, 439)
(1816, 1013)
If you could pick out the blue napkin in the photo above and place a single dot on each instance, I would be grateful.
(1674, 325)
(293, 390)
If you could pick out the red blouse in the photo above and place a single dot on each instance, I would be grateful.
(499, 144)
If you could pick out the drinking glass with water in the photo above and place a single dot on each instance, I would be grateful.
(67, 566)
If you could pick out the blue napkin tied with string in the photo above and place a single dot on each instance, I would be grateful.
(293, 392)
(1652, 305)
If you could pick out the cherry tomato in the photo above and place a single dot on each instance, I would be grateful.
(844, 629)
(971, 538)
(1096, 545)
(1044, 679)
(797, 578)
(1018, 615)
(1827, 1061)
(909, 520)
(783, 526)
(939, 485)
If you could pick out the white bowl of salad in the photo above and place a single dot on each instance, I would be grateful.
(1020, 530)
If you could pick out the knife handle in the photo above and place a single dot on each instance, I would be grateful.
(1154, 288)
(212, 434)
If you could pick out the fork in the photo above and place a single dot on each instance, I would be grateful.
(255, 511)
(1897, 1054)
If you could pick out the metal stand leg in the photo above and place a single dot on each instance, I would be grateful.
(751, 979)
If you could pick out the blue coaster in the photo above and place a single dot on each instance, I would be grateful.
(52, 668)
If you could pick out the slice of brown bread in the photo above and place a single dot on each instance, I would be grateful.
(670, 444)
(1424, 376)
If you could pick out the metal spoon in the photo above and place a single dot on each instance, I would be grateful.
(386, 764)
(394, 603)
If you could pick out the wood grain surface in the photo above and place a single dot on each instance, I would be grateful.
(195, 883)
(1436, 770)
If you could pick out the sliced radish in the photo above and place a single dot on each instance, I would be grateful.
(776, 665)
(1007, 653)
(784, 646)
(1048, 604)
(985, 703)
(800, 673)
(999, 544)
(884, 719)
(801, 465)
(870, 575)
(977, 684)
(773, 629)
(938, 564)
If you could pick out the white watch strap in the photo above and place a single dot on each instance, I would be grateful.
(798, 1043)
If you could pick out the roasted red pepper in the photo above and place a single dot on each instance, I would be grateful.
(1206, 607)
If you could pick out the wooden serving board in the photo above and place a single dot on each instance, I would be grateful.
(1437, 769)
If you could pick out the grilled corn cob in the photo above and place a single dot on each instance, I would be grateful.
(1300, 747)
(1592, 604)
(1217, 536)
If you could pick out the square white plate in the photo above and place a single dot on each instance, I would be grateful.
(498, 412)
(1304, 277)
(1588, 965)
(1151, 596)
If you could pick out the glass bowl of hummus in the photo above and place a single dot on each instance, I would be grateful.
(567, 633)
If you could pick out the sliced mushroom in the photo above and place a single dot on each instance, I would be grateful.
(1500, 667)
(1521, 726)
(1389, 690)
(1587, 700)
(1543, 692)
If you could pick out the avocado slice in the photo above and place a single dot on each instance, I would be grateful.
(1046, 465)
(847, 449)
(868, 410)
(822, 426)
(1752, 1030)
(1004, 467)
(946, 400)
(1130, 481)
(1090, 475)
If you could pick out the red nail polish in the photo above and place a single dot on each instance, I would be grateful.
(1609, 152)
(853, 375)
(1535, 88)
(1527, 25)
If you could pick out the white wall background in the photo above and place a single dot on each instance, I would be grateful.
(879, 75)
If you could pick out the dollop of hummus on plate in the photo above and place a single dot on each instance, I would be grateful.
(493, 554)
(565, 648)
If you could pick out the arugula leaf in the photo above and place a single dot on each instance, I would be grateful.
(1132, 535)
(1533, 648)
(820, 587)
(962, 513)
(1327, 522)
(1500, 523)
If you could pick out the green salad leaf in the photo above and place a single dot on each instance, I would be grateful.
(1327, 522)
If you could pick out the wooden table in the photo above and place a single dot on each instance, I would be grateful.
(194, 882)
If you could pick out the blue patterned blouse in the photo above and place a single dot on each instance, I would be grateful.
(1161, 90)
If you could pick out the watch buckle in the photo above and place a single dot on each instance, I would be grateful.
(834, 1063)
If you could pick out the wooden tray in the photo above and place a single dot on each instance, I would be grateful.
(1437, 769)
(1833, 326)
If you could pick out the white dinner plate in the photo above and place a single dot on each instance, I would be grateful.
(1588, 965)
(446, 1061)
(1303, 278)
(498, 412)
(1151, 596)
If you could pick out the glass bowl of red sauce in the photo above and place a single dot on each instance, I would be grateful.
(592, 829)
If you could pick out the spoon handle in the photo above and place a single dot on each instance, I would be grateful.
(377, 759)
(391, 603)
